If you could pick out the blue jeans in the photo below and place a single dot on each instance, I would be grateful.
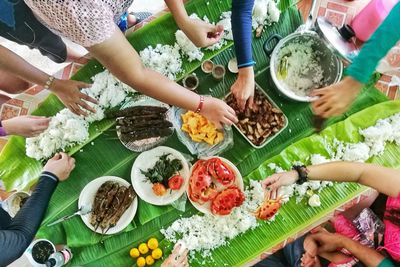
(289, 256)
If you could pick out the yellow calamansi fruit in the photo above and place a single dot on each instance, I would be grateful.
(141, 262)
(134, 253)
(152, 243)
(143, 248)
(149, 260)
(157, 253)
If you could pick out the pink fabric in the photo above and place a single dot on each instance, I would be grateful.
(345, 227)
(392, 231)
(86, 22)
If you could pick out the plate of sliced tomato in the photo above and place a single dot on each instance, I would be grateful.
(215, 186)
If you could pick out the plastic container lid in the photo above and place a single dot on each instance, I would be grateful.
(338, 40)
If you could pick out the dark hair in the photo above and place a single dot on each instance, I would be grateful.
(393, 215)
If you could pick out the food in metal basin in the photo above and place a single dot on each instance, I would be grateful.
(299, 67)
(259, 122)
(200, 129)
(268, 208)
(110, 203)
(226, 200)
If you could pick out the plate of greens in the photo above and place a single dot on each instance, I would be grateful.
(160, 176)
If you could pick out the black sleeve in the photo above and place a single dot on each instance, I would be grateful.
(16, 237)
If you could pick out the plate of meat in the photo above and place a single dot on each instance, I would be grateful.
(114, 204)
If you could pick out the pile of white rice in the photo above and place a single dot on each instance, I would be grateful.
(265, 12)
(164, 59)
(304, 73)
(204, 233)
(67, 129)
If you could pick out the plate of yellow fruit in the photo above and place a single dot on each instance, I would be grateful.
(199, 135)
(146, 254)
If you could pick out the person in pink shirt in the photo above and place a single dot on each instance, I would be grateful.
(93, 24)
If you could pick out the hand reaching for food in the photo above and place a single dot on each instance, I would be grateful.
(335, 99)
(202, 34)
(275, 181)
(68, 92)
(61, 165)
(243, 88)
(218, 112)
(26, 126)
(177, 258)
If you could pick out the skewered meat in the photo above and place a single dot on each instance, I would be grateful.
(145, 125)
(110, 203)
(137, 111)
(145, 133)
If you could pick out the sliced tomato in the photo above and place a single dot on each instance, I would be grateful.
(175, 182)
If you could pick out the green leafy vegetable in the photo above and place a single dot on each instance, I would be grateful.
(163, 170)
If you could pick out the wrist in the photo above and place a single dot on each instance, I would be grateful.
(246, 73)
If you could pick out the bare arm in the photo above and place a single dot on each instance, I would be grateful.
(66, 90)
(127, 67)
(385, 180)
(366, 255)
(326, 245)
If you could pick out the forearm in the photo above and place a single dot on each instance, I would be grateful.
(381, 41)
(385, 180)
(178, 10)
(127, 67)
(241, 27)
(369, 257)
(14, 64)
(20, 232)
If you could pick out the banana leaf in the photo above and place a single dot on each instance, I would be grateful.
(108, 157)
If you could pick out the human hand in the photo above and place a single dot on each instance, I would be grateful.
(201, 33)
(327, 242)
(60, 165)
(275, 181)
(218, 112)
(177, 259)
(27, 126)
(243, 88)
(335, 99)
(68, 91)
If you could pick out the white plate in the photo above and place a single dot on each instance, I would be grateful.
(149, 143)
(87, 197)
(206, 207)
(143, 187)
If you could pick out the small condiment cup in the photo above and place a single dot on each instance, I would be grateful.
(232, 65)
(218, 72)
(191, 82)
(207, 66)
(28, 252)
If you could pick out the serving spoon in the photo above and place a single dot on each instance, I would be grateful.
(82, 211)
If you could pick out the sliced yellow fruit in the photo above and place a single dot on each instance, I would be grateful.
(134, 253)
(141, 262)
(149, 260)
(143, 248)
(152, 243)
(157, 253)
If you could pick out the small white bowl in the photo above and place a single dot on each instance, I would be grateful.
(28, 252)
